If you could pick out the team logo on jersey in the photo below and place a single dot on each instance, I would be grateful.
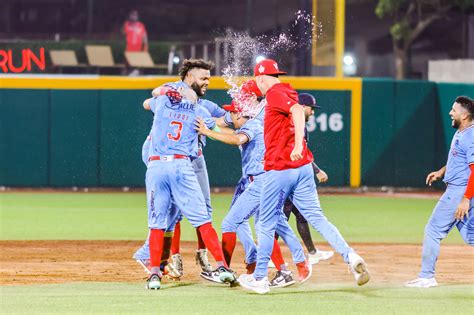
(182, 105)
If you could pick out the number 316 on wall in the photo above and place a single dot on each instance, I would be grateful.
(323, 122)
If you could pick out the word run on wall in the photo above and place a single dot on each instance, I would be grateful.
(18, 64)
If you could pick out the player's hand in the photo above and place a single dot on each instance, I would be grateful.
(296, 154)
(432, 177)
(462, 210)
(188, 94)
(174, 96)
(200, 126)
(322, 176)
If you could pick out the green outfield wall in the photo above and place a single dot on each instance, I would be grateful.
(62, 132)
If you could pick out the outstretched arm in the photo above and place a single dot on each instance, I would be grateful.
(232, 139)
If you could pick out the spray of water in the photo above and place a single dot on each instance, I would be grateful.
(242, 50)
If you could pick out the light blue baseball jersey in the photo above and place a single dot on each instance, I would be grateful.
(173, 127)
(211, 107)
(252, 151)
(461, 154)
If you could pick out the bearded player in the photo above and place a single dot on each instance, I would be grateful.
(455, 206)
(195, 74)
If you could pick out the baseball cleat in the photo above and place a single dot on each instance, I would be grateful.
(250, 283)
(177, 264)
(359, 269)
(422, 283)
(202, 260)
(320, 255)
(227, 276)
(282, 279)
(145, 263)
(305, 270)
(154, 282)
(212, 276)
(170, 273)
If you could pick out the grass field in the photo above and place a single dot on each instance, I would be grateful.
(122, 216)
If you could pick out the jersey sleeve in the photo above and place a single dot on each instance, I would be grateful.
(249, 129)
(228, 119)
(280, 101)
(157, 102)
(213, 108)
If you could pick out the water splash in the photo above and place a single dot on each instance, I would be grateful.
(242, 50)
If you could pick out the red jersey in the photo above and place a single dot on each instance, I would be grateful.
(279, 130)
(134, 32)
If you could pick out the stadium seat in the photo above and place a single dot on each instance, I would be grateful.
(64, 59)
(100, 56)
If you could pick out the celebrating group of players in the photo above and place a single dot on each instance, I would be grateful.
(266, 119)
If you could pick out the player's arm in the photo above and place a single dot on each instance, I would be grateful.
(320, 174)
(232, 139)
(434, 176)
(146, 104)
(297, 113)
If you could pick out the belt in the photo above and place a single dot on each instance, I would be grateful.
(167, 158)
(251, 178)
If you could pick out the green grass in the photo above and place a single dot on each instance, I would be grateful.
(123, 216)
(200, 298)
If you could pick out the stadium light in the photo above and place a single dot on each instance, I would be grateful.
(348, 60)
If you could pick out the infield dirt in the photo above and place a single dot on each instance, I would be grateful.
(44, 262)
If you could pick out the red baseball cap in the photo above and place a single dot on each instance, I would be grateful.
(233, 107)
(250, 87)
(267, 67)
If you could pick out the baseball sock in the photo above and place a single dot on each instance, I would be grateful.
(201, 244)
(277, 256)
(166, 247)
(176, 239)
(305, 233)
(156, 249)
(228, 245)
(209, 237)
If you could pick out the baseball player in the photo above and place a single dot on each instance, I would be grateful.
(314, 255)
(289, 173)
(170, 174)
(246, 201)
(455, 206)
(195, 74)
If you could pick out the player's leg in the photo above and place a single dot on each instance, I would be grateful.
(188, 196)
(158, 202)
(200, 168)
(466, 226)
(437, 228)
(315, 255)
(229, 225)
(246, 203)
(305, 198)
(276, 187)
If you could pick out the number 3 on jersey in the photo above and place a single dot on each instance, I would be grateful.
(177, 131)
